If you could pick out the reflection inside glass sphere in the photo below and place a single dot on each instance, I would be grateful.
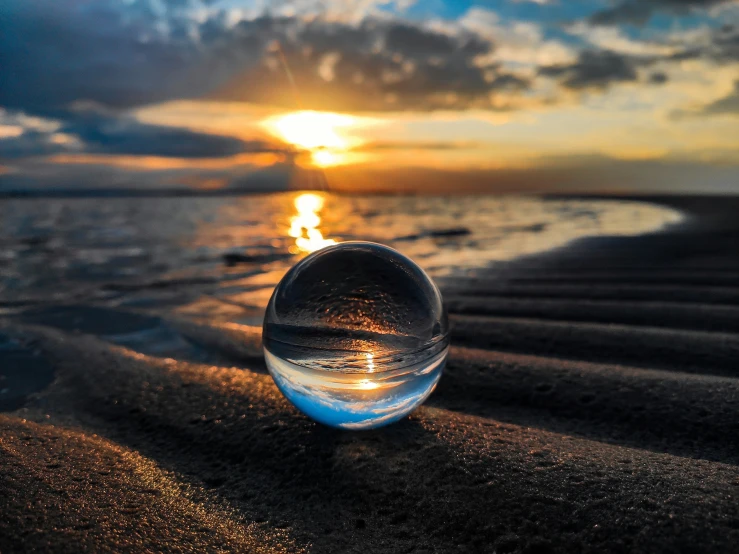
(356, 335)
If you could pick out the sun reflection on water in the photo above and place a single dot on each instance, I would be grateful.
(304, 225)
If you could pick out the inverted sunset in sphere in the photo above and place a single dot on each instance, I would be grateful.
(356, 335)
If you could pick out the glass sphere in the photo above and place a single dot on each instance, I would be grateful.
(356, 335)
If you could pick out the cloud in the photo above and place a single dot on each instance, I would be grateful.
(658, 78)
(128, 54)
(616, 40)
(125, 135)
(638, 12)
(119, 54)
(416, 43)
(348, 55)
(726, 105)
(381, 146)
(98, 133)
(22, 136)
(375, 65)
(59, 57)
(724, 44)
(715, 44)
(309, 55)
(595, 69)
(30, 143)
(63, 177)
(516, 42)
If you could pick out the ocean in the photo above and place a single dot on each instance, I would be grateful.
(168, 252)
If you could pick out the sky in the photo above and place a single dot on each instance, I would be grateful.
(634, 96)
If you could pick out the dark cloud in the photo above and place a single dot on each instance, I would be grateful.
(97, 133)
(55, 52)
(719, 45)
(30, 143)
(725, 43)
(727, 105)
(509, 81)
(595, 69)
(417, 43)
(638, 12)
(124, 135)
(121, 55)
(43, 176)
(56, 55)
(124, 55)
(377, 65)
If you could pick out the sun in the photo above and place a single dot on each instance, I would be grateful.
(312, 130)
(325, 158)
(326, 135)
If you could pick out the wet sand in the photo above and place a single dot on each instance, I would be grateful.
(591, 404)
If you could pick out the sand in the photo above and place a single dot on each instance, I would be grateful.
(591, 404)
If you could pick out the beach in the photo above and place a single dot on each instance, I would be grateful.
(590, 402)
